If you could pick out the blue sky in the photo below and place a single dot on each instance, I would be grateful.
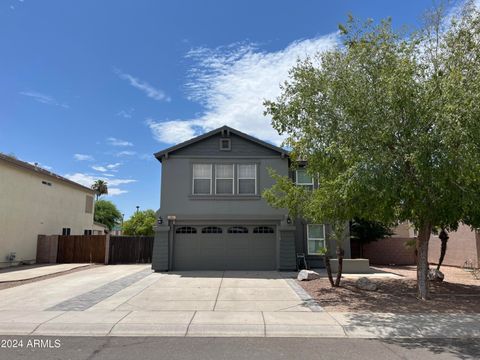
(91, 89)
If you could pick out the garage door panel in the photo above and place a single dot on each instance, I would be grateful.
(224, 251)
(263, 245)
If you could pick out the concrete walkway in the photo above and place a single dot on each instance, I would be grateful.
(234, 324)
(19, 273)
(130, 300)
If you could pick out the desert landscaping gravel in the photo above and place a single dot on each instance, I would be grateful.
(459, 293)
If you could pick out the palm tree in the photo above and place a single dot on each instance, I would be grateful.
(100, 187)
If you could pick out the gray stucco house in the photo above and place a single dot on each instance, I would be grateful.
(212, 215)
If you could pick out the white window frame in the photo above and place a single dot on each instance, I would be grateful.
(201, 178)
(315, 239)
(303, 184)
(232, 178)
(238, 180)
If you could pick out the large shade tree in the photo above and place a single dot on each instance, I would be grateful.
(141, 223)
(390, 123)
(107, 213)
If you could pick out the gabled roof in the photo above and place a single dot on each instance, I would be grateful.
(159, 155)
(42, 172)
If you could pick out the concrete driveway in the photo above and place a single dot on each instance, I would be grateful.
(216, 291)
(131, 300)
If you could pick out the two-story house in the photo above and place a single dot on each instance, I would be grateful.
(212, 215)
(36, 201)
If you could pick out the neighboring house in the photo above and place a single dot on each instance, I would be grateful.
(389, 251)
(117, 230)
(463, 246)
(212, 215)
(35, 201)
(97, 229)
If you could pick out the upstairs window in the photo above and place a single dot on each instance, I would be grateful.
(315, 238)
(202, 179)
(237, 230)
(186, 230)
(66, 231)
(247, 179)
(224, 179)
(89, 204)
(303, 178)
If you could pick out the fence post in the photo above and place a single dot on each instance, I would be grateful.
(107, 248)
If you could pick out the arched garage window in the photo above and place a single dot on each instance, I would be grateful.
(186, 230)
(263, 230)
(211, 230)
(237, 230)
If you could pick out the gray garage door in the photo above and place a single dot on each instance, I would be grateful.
(212, 247)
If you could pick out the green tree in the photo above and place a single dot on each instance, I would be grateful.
(301, 202)
(141, 223)
(100, 187)
(107, 213)
(365, 231)
(389, 122)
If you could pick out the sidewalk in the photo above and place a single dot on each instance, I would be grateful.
(20, 273)
(238, 324)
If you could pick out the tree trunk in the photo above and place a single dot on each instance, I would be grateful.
(422, 260)
(329, 270)
(340, 255)
(443, 249)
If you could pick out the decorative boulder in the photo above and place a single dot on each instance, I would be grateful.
(435, 275)
(307, 275)
(364, 283)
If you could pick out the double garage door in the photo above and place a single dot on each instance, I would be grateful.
(214, 247)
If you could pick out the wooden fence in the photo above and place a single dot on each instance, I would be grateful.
(130, 249)
(81, 249)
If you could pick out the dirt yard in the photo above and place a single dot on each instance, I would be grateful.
(459, 293)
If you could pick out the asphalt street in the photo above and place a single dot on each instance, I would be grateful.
(173, 348)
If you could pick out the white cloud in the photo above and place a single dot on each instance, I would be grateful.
(118, 142)
(87, 180)
(175, 131)
(83, 179)
(99, 168)
(126, 153)
(116, 191)
(40, 165)
(83, 157)
(113, 166)
(231, 83)
(127, 114)
(44, 99)
(145, 156)
(148, 89)
(116, 182)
